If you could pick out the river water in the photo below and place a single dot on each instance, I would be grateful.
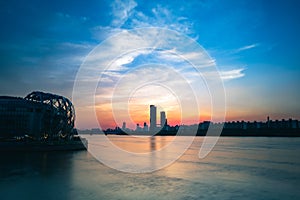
(237, 168)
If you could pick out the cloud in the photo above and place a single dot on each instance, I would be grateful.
(165, 18)
(125, 15)
(232, 74)
(148, 59)
(121, 11)
(251, 46)
(78, 45)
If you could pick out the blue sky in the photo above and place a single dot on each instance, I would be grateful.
(254, 44)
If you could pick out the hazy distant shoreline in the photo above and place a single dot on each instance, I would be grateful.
(288, 132)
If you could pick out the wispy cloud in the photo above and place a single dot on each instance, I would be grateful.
(251, 46)
(232, 74)
(121, 11)
(125, 15)
(140, 58)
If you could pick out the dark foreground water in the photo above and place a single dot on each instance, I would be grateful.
(238, 168)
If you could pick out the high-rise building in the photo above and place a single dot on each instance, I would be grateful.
(138, 128)
(162, 119)
(145, 127)
(124, 126)
(152, 117)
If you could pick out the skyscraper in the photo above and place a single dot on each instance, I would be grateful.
(162, 119)
(152, 117)
(145, 127)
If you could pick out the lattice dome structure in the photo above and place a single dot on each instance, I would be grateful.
(39, 116)
(62, 115)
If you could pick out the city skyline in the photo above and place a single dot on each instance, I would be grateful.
(139, 99)
(254, 46)
(267, 128)
(153, 125)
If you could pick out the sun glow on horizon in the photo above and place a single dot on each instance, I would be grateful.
(155, 68)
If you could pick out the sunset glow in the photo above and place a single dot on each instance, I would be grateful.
(252, 45)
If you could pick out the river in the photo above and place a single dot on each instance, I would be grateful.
(237, 168)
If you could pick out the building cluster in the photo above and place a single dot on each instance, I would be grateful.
(153, 121)
(268, 124)
(154, 126)
(229, 128)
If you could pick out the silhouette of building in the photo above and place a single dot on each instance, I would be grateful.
(124, 126)
(285, 127)
(152, 117)
(138, 128)
(38, 116)
(145, 127)
(163, 119)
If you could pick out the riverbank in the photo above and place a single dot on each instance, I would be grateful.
(68, 145)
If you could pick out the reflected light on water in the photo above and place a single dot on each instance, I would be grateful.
(237, 168)
(140, 144)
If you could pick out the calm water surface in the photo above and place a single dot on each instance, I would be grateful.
(237, 168)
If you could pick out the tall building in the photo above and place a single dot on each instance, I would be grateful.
(162, 119)
(138, 128)
(152, 117)
(145, 127)
(124, 126)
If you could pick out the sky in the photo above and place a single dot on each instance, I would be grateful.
(254, 46)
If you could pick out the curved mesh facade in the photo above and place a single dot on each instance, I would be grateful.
(39, 116)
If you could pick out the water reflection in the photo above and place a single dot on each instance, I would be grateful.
(252, 168)
(139, 144)
(152, 144)
(34, 175)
